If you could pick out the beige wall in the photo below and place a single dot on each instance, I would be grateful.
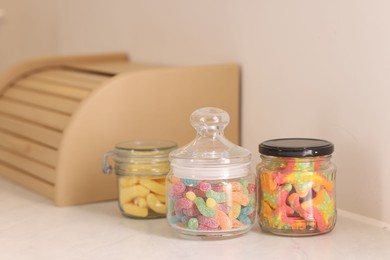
(27, 29)
(310, 68)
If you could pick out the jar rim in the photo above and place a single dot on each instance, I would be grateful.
(296, 147)
(146, 145)
(210, 173)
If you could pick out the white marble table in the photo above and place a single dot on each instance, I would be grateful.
(31, 227)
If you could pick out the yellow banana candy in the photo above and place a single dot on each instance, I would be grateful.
(127, 181)
(153, 186)
(155, 204)
(129, 193)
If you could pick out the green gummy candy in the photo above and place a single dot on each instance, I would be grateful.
(219, 197)
(203, 209)
(193, 223)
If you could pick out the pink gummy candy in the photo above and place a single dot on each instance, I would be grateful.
(208, 222)
(175, 196)
(203, 227)
(178, 187)
(279, 178)
(204, 186)
(224, 207)
(191, 212)
(251, 188)
(197, 192)
(183, 203)
(217, 187)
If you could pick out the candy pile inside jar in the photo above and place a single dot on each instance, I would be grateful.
(296, 186)
(210, 190)
(212, 205)
(142, 196)
(141, 168)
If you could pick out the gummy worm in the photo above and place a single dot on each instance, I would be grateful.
(219, 197)
(203, 209)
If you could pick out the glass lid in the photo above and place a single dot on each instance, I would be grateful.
(210, 148)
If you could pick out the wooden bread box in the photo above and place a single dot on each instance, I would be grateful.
(59, 115)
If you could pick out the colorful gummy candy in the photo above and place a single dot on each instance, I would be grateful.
(211, 205)
(296, 195)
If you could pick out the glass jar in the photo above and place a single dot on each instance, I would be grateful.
(141, 168)
(210, 188)
(296, 184)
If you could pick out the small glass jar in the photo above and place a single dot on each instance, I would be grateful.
(210, 188)
(141, 168)
(296, 187)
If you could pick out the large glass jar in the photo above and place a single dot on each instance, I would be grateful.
(141, 167)
(296, 183)
(210, 189)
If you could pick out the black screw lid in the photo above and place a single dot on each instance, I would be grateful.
(296, 147)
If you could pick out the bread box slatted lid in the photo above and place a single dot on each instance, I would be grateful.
(59, 115)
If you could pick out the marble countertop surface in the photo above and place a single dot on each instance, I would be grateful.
(31, 227)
